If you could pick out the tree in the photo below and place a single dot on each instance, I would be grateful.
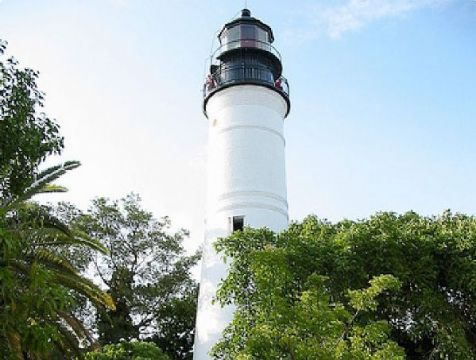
(37, 283)
(147, 274)
(28, 135)
(313, 280)
(176, 323)
(135, 350)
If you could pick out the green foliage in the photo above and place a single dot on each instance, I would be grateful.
(353, 290)
(147, 273)
(134, 350)
(363, 300)
(37, 282)
(175, 322)
(27, 135)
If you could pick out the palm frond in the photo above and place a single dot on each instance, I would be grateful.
(49, 237)
(68, 341)
(19, 267)
(87, 288)
(34, 216)
(52, 260)
(76, 325)
(51, 188)
(65, 274)
(84, 239)
(70, 280)
(42, 179)
(54, 172)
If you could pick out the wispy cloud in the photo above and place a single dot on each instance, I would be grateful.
(351, 15)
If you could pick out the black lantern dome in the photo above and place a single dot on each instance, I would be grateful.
(246, 56)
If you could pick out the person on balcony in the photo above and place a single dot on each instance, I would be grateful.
(210, 82)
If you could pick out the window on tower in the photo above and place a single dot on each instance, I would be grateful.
(238, 223)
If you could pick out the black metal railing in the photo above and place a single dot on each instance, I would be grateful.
(228, 76)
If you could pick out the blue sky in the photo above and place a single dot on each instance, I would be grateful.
(383, 99)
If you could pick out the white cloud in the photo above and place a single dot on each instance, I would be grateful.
(351, 15)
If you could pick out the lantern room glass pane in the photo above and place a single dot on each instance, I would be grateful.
(244, 32)
(248, 32)
(230, 35)
(262, 35)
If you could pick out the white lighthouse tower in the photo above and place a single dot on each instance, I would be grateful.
(246, 100)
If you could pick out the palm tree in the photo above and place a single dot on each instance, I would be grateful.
(37, 282)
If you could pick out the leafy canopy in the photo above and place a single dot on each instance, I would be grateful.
(382, 288)
(146, 271)
(135, 350)
(27, 135)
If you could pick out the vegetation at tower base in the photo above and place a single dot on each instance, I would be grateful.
(371, 289)
(134, 350)
(146, 271)
(37, 283)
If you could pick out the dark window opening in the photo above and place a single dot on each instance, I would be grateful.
(238, 223)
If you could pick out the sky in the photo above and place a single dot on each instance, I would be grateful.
(383, 93)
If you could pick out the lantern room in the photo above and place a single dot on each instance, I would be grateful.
(245, 55)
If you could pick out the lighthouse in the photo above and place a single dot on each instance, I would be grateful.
(246, 100)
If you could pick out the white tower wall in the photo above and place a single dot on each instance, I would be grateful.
(246, 177)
